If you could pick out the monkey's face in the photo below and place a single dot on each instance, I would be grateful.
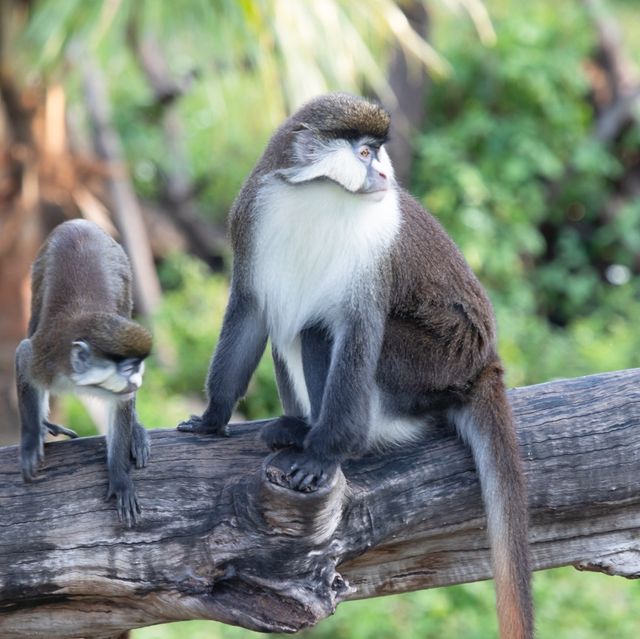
(360, 166)
(98, 372)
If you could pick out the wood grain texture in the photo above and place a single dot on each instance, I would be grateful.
(219, 541)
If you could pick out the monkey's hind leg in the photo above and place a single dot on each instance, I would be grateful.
(119, 447)
(30, 406)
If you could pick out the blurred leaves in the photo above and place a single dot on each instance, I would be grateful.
(509, 164)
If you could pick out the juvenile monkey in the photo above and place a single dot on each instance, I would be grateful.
(377, 323)
(81, 339)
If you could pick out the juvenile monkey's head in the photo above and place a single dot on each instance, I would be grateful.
(107, 354)
(340, 137)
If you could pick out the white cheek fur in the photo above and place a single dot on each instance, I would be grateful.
(95, 376)
(108, 378)
(338, 163)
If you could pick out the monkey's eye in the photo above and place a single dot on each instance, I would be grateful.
(364, 152)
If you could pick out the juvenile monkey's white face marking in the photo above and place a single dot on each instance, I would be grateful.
(98, 375)
(136, 378)
(99, 372)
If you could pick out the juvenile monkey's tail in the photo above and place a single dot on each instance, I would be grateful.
(486, 425)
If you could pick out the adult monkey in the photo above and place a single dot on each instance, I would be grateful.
(377, 323)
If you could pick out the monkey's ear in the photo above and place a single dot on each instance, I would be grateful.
(80, 356)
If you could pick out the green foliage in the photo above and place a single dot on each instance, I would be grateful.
(509, 165)
(507, 162)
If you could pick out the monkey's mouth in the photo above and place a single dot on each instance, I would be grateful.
(128, 390)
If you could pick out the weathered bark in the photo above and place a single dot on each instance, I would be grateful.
(218, 540)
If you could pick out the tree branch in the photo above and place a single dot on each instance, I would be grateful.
(218, 540)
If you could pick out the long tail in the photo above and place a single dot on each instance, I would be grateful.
(486, 424)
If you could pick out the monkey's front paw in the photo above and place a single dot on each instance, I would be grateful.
(126, 501)
(140, 445)
(204, 425)
(56, 430)
(284, 431)
(31, 455)
(308, 473)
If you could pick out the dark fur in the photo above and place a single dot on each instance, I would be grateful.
(425, 339)
(81, 290)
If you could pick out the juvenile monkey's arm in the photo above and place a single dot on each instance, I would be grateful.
(119, 442)
(30, 399)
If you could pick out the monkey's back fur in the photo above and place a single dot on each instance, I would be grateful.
(88, 285)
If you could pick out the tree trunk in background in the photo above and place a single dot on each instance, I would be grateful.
(20, 231)
(409, 81)
(206, 241)
(15, 262)
(124, 202)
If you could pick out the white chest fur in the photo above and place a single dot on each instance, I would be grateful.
(315, 242)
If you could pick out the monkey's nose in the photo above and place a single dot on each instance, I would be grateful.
(129, 366)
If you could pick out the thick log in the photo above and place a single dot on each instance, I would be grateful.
(220, 539)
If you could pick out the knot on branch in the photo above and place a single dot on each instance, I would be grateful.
(313, 516)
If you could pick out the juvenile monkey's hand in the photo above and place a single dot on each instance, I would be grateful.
(140, 445)
(56, 430)
(31, 455)
(212, 422)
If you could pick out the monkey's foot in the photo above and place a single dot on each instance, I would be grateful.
(308, 473)
(198, 424)
(140, 445)
(126, 501)
(56, 429)
(285, 431)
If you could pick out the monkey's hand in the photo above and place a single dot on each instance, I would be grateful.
(309, 473)
(31, 455)
(140, 445)
(56, 430)
(285, 431)
(212, 422)
(127, 504)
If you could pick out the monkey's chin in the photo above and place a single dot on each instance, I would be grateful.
(125, 397)
(375, 196)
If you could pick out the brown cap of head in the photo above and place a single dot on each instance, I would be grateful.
(344, 115)
(113, 335)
